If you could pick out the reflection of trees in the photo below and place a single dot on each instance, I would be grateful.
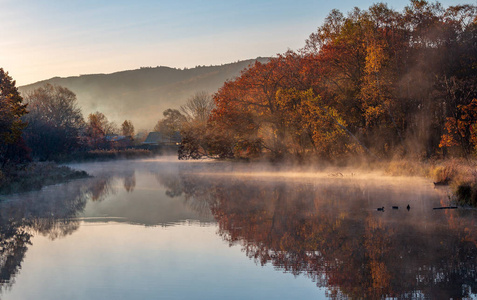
(104, 184)
(197, 195)
(172, 181)
(51, 212)
(101, 189)
(353, 252)
(13, 245)
(130, 181)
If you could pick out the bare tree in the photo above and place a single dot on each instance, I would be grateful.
(197, 111)
(198, 107)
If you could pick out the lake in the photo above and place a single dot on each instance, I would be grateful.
(168, 229)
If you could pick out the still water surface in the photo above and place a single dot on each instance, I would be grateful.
(163, 229)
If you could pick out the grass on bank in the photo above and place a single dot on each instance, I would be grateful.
(459, 174)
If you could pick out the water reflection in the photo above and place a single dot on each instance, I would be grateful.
(14, 241)
(130, 181)
(54, 212)
(21, 216)
(332, 232)
(325, 228)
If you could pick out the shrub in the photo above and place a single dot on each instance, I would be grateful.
(466, 193)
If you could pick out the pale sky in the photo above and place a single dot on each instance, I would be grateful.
(41, 39)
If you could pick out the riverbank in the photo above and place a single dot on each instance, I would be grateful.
(105, 155)
(457, 173)
(34, 176)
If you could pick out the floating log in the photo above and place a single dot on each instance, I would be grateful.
(446, 207)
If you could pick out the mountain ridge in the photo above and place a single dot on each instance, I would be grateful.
(141, 95)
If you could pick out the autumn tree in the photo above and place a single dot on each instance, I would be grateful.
(462, 129)
(380, 69)
(373, 81)
(358, 60)
(312, 126)
(11, 124)
(247, 106)
(127, 128)
(55, 122)
(274, 108)
(98, 127)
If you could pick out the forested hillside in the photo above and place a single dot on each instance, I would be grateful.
(142, 95)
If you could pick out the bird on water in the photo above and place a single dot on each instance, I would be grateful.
(408, 207)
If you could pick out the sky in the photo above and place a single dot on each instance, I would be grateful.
(41, 39)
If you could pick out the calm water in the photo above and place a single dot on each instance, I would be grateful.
(162, 229)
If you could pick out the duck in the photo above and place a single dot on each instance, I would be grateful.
(380, 208)
(408, 207)
(395, 207)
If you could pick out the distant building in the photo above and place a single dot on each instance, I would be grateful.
(114, 137)
(158, 139)
(118, 141)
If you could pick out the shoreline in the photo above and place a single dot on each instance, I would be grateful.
(458, 175)
(36, 175)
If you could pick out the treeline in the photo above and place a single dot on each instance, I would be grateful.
(47, 124)
(376, 82)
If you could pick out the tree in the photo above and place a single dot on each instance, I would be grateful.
(462, 130)
(11, 112)
(98, 127)
(375, 80)
(55, 122)
(198, 107)
(380, 69)
(127, 128)
(196, 136)
(277, 107)
(247, 107)
(171, 124)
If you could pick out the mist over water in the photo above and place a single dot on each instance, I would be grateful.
(211, 229)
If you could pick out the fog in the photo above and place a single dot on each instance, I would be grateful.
(321, 223)
(142, 95)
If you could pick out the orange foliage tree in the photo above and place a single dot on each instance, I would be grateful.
(374, 80)
(462, 129)
(273, 107)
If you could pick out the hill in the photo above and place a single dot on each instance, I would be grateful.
(142, 95)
